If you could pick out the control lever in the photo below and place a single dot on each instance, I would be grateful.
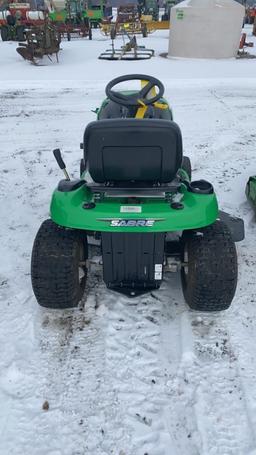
(61, 164)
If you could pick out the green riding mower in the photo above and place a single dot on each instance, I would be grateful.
(135, 197)
(251, 190)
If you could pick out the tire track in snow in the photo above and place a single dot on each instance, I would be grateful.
(102, 379)
(209, 389)
(75, 382)
(133, 342)
(101, 395)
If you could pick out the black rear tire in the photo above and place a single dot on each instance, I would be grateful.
(58, 266)
(209, 277)
(4, 33)
(186, 165)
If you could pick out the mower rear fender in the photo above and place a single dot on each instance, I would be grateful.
(77, 209)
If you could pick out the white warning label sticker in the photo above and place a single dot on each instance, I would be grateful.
(158, 275)
(130, 209)
(158, 271)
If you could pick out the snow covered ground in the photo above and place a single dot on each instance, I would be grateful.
(119, 376)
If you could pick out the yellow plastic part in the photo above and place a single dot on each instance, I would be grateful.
(156, 25)
(142, 110)
(161, 105)
(146, 18)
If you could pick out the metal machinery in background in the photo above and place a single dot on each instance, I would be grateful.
(250, 14)
(72, 20)
(127, 20)
(149, 8)
(42, 40)
(149, 14)
(16, 18)
(95, 11)
(69, 17)
(168, 4)
(129, 51)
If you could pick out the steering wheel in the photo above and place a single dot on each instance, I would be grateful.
(135, 99)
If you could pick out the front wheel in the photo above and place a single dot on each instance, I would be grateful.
(209, 268)
(58, 266)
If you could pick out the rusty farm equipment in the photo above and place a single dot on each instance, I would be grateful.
(242, 53)
(16, 18)
(76, 28)
(42, 40)
(250, 15)
(129, 51)
(70, 21)
(128, 20)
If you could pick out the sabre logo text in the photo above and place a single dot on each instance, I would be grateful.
(132, 223)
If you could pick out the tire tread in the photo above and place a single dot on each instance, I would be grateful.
(54, 266)
(213, 258)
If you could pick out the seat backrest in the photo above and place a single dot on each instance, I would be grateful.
(133, 150)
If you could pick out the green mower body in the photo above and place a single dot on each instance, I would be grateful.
(251, 190)
(136, 198)
(68, 209)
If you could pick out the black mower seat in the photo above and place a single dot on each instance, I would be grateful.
(113, 110)
(133, 150)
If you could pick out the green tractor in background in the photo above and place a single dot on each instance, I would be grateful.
(95, 11)
(77, 15)
(251, 190)
(71, 11)
(71, 19)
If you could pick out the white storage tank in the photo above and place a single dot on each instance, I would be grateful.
(35, 15)
(205, 29)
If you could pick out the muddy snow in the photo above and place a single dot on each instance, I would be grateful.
(121, 376)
